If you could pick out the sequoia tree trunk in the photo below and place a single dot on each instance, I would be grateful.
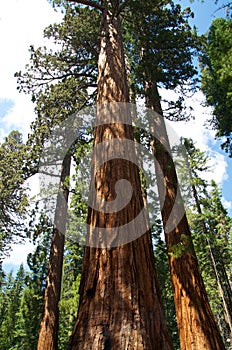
(197, 327)
(48, 336)
(119, 305)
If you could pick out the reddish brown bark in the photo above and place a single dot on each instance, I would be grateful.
(120, 305)
(196, 324)
(48, 336)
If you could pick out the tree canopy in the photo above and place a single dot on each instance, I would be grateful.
(216, 80)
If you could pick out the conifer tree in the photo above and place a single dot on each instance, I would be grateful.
(190, 297)
(211, 232)
(108, 304)
(13, 291)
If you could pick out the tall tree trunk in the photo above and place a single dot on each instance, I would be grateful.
(197, 327)
(48, 336)
(120, 305)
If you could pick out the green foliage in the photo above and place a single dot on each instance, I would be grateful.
(76, 225)
(11, 294)
(161, 261)
(68, 305)
(183, 247)
(31, 301)
(216, 80)
(20, 310)
(21, 297)
(58, 80)
(215, 242)
(76, 40)
(167, 42)
(13, 194)
(160, 47)
(160, 39)
(37, 261)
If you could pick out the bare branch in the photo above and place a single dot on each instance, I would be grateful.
(89, 3)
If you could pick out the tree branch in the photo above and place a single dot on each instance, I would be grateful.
(89, 3)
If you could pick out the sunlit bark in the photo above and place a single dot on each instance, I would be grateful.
(120, 305)
(196, 324)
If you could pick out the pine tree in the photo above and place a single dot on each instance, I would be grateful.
(5, 292)
(218, 226)
(31, 307)
(161, 259)
(70, 285)
(13, 293)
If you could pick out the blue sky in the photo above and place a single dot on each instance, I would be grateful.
(16, 110)
(5, 106)
(205, 12)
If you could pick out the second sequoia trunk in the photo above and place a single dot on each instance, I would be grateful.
(196, 324)
(120, 305)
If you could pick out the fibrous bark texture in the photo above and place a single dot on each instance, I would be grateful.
(120, 305)
(197, 327)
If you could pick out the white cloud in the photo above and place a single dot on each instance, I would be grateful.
(19, 254)
(19, 116)
(218, 166)
(194, 128)
(21, 24)
(203, 136)
(227, 204)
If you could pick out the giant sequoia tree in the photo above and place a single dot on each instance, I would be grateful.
(119, 297)
(190, 296)
(191, 301)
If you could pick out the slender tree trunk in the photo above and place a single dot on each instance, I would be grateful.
(48, 336)
(197, 327)
(120, 305)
